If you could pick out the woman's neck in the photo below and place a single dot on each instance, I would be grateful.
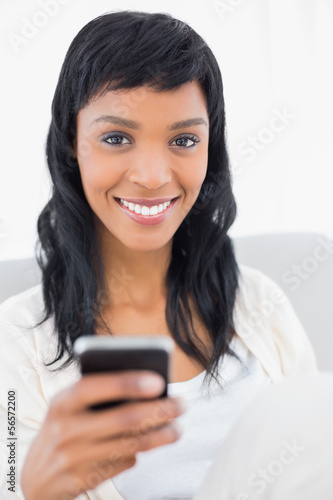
(135, 278)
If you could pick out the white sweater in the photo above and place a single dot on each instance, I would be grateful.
(265, 323)
(210, 415)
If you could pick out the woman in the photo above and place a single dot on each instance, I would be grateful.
(134, 241)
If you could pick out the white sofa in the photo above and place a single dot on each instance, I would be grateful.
(301, 263)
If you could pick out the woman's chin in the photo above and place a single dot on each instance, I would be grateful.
(146, 246)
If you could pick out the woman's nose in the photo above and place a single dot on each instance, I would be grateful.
(150, 169)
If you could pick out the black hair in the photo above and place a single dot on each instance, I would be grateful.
(126, 50)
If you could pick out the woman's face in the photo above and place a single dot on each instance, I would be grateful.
(138, 150)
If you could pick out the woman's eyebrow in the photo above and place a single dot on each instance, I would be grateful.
(188, 123)
(124, 122)
(116, 120)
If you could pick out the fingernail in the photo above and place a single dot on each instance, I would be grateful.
(151, 383)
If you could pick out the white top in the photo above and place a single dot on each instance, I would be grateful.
(265, 323)
(176, 471)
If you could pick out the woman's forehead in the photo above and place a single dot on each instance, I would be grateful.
(185, 102)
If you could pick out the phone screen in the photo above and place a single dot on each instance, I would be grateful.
(113, 355)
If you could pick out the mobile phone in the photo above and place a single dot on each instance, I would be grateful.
(108, 354)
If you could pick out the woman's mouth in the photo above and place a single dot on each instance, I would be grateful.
(147, 214)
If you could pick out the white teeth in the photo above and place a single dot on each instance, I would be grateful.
(153, 210)
(144, 210)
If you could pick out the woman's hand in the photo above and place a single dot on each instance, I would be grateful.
(77, 448)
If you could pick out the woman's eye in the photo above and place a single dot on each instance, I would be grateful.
(116, 140)
(120, 140)
(185, 142)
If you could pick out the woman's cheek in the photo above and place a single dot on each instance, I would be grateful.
(196, 174)
(98, 171)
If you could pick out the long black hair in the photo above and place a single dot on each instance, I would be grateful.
(126, 50)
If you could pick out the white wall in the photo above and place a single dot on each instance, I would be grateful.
(276, 59)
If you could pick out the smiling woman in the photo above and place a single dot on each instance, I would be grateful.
(155, 161)
(134, 240)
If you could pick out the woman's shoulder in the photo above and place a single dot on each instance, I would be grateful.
(260, 302)
(268, 325)
(27, 305)
(27, 342)
(20, 316)
(254, 285)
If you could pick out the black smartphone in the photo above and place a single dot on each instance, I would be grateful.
(107, 354)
